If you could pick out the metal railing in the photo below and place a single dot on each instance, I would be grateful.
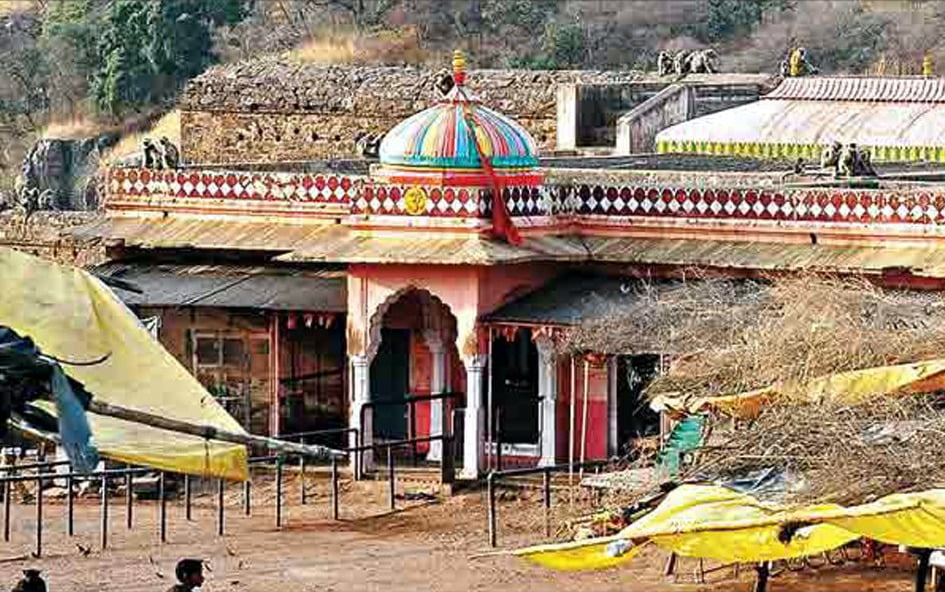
(494, 477)
(108, 476)
(301, 437)
(128, 473)
(410, 401)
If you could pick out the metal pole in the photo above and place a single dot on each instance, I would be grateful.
(571, 419)
(104, 512)
(490, 490)
(490, 437)
(447, 473)
(302, 479)
(922, 570)
(247, 495)
(7, 492)
(128, 499)
(412, 420)
(546, 498)
(334, 489)
(70, 505)
(187, 497)
(357, 456)
(220, 507)
(391, 479)
(211, 433)
(761, 584)
(584, 406)
(162, 493)
(279, 492)
(39, 518)
(497, 438)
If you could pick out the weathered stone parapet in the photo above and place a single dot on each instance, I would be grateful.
(45, 234)
(279, 86)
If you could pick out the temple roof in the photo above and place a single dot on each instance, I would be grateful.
(453, 133)
(229, 286)
(900, 119)
(440, 137)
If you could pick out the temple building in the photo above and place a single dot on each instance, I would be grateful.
(426, 292)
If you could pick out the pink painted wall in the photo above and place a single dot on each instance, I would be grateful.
(597, 410)
(503, 283)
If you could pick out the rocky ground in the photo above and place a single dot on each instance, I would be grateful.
(421, 546)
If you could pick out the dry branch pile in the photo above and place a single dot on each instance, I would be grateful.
(726, 337)
(838, 453)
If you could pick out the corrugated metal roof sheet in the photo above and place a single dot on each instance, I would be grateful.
(857, 88)
(431, 248)
(922, 261)
(204, 233)
(230, 287)
(808, 122)
(569, 300)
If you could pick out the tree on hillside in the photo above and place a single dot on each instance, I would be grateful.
(147, 50)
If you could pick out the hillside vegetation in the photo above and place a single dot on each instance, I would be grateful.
(77, 66)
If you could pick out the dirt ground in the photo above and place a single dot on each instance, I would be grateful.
(422, 546)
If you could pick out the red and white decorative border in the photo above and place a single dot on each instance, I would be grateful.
(549, 202)
(444, 202)
(803, 205)
(230, 185)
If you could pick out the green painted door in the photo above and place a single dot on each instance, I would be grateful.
(390, 381)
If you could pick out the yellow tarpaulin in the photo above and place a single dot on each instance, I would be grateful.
(717, 523)
(853, 386)
(73, 316)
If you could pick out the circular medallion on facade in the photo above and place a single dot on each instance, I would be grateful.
(415, 201)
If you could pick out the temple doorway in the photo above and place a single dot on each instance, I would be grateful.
(390, 384)
(515, 399)
(635, 419)
(414, 361)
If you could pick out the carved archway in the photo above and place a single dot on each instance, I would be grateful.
(436, 315)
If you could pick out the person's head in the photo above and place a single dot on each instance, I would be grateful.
(190, 572)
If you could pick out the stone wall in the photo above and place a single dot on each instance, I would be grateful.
(45, 235)
(270, 111)
(637, 129)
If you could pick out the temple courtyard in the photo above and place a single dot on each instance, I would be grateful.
(432, 545)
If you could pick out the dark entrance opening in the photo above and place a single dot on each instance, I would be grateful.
(312, 385)
(515, 388)
(635, 419)
(390, 382)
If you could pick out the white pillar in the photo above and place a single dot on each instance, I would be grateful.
(361, 394)
(438, 381)
(547, 408)
(474, 422)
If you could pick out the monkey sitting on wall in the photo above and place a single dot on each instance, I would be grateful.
(170, 154)
(664, 63)
(703, 62)
(846, 162)
(153, 159)
(444, 84)
(681, 63)
(830, 156)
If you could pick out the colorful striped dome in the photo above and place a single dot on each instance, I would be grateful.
(440, 137)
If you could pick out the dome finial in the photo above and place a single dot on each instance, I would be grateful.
(459, 67)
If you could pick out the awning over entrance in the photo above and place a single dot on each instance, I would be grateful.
(568, 300)
(265, 288)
